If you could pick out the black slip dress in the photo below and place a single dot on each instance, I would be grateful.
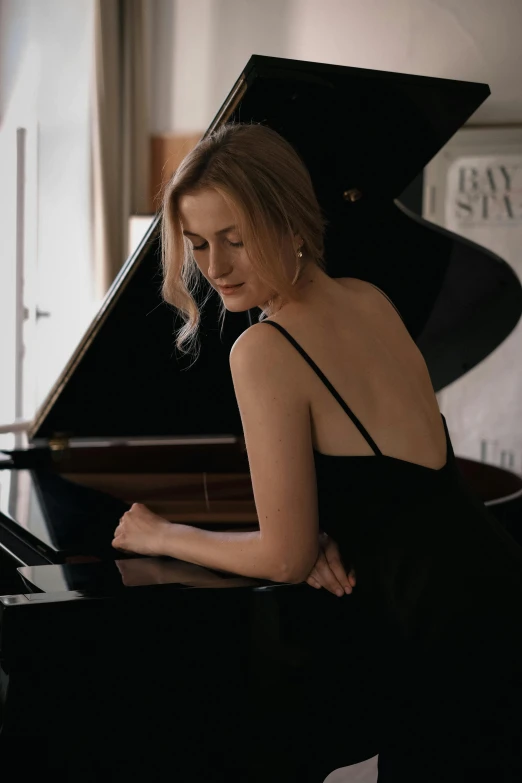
(442, 579)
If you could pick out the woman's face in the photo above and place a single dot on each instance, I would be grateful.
(209, 223)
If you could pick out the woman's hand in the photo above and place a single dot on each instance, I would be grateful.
(141, 531)
(328, 570)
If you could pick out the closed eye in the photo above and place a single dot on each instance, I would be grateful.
(205, 245)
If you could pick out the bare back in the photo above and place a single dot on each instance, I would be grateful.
(356, 337)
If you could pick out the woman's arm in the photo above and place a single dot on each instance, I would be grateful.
(276, 424)
(144, 532)
(237, 553)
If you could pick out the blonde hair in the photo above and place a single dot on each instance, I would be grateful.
(265, 182)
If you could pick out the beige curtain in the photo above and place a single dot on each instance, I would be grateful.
(119, 132)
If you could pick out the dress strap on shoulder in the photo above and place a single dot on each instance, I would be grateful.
(328, 385)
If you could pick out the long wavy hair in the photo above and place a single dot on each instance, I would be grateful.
(268, 187)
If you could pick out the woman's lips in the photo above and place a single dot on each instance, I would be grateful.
(229, 289)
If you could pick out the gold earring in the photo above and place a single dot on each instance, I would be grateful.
(299, 252)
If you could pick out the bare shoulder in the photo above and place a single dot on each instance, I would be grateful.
(358, 286)
(263, 367)
(344, 281)
(256, 346)
(353, 283)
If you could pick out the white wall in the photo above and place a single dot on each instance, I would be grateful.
(45, 69)
(198, 50)
(476, 40)
(203, 45)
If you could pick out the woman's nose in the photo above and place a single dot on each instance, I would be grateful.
(218, 266)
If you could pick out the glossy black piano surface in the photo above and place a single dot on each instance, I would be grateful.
(222, 683)
(59, 518)
(144, 668)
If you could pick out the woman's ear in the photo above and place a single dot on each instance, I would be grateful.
(298, 242)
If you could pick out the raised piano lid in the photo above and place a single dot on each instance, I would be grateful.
(357, 130)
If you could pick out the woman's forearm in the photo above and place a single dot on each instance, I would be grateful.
(238, 553)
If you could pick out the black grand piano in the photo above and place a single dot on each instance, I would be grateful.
(151, 669)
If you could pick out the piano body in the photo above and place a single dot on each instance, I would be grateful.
(147, 667)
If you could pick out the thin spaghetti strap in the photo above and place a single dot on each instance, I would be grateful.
(328, 385)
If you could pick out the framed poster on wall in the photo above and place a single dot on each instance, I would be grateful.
(473, 187)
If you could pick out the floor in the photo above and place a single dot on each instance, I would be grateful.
(364, 772)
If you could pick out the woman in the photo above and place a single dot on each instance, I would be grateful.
(430, 562)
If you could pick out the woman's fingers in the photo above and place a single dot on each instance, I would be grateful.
(323, 574)
(333, 558)
(329, 571)
(312, 581)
